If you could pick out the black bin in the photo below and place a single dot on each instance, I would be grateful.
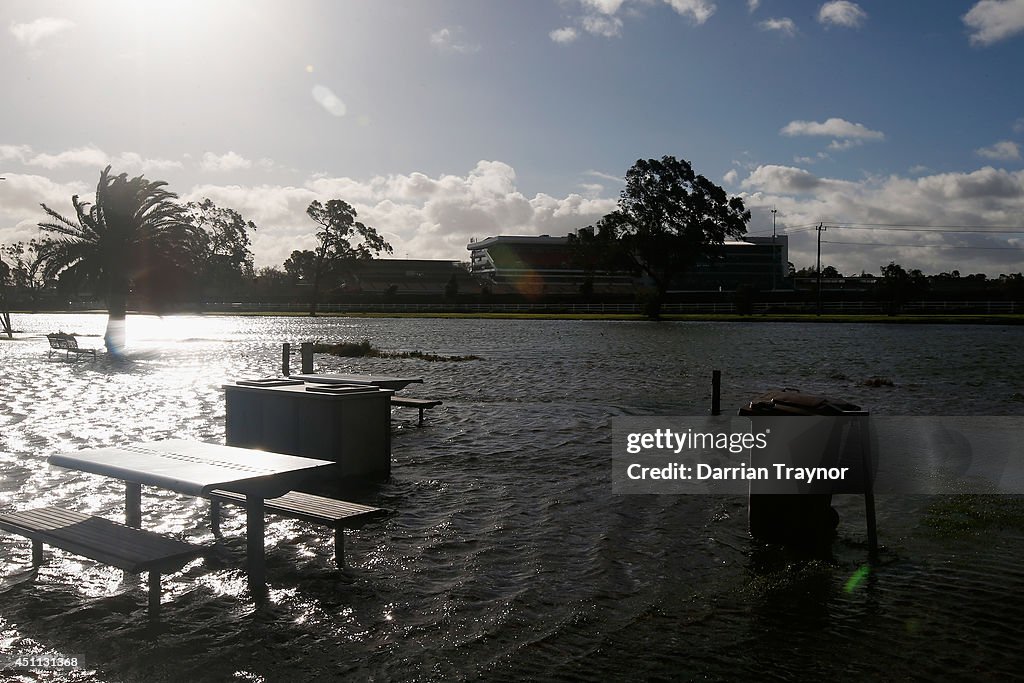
(801, 518)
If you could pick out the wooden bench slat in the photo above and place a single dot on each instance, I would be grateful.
(338, 514)
(101, 539)
(420, 403)
(312, 508)
(414, 402)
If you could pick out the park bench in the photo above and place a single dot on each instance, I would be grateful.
(337, 514)
(421, 403)
(124, 547)
(66, 343)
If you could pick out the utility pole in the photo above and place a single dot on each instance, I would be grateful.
(821, 227)
(774, 211)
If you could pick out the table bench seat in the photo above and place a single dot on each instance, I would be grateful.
(111, 543)
(421, 403)
(337, 514)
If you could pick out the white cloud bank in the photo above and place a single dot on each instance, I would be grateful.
(842, 13)
(600, 17)
(990, 21)
(30, 33)
(422, 216)
(844, 133)
(984, 197)
(785, 26)
(1004, 150)
(84, 156)
(230, 161)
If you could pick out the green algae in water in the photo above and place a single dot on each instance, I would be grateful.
(972, 513)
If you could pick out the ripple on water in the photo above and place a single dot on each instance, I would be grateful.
(509, 557)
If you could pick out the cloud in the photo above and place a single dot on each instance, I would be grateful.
(811, 160)
(424, 216)
(782, 179)
(452, 39)
(1018, 125)
(564, 35)
(1004, 150)
(88, 155)
(79, 156)
(752, 5)
(14, 152)
(784, 26)
(328, 100)
(604, 26)
(603, 6)
(29, 34)
(229, 161)
(699, 10)
(850, 133)
(842, 13)
(606, 176)
(730, 177)
(984, 197)
(599, 17)
(990, 21)
(20, 197)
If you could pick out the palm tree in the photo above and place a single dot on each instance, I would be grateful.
(134, 234)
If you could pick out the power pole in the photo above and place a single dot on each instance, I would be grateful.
(821, 227)
(774, 211)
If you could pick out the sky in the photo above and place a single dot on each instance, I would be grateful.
(442, 121)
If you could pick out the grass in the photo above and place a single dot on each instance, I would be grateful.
(363, 349)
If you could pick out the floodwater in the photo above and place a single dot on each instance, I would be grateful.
(509, 557)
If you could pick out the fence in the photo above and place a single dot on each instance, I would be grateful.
(790, 307)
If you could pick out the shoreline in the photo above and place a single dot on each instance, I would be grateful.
(829, 318)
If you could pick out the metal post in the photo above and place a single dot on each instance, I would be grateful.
(154, 595)
(869, 489)
(716, 392)
(339, 547)
(254, 531)
(307, 357)
(133, 504)
(286, 351)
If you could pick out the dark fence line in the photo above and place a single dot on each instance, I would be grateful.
(834, 307)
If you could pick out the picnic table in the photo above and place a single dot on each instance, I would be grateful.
(382, 381)
(198, 469)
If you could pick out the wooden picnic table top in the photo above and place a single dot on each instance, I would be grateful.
(196, 468)
(382, 381)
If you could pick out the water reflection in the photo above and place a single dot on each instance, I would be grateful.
(509, 556)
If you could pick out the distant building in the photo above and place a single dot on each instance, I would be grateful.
(545, 265)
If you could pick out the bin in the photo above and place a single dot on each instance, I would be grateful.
(349, 425)
(802, 518)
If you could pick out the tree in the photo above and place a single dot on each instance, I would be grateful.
(301, 266)
(341, 240)
(668, 218)
(898, 285)
(135, 235)
(225, 258)
(26, 271)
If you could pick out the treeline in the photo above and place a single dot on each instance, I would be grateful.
(137, 241)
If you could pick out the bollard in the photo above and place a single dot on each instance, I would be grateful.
(716, 392)
(307, 358)
(286, 351)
